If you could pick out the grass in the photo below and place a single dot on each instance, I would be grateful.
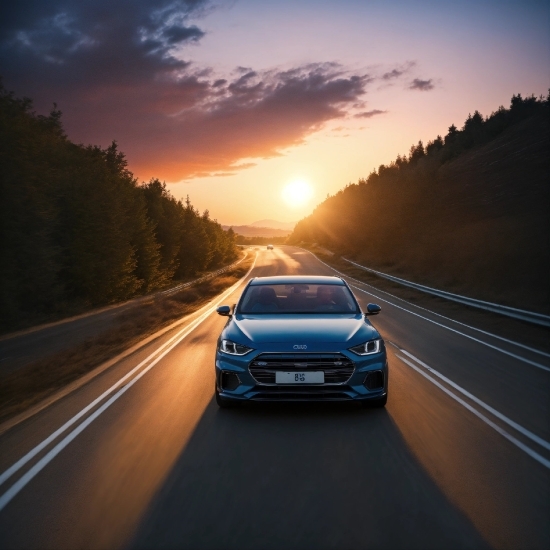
(26, 387)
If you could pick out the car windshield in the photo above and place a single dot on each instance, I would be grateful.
(297, 298)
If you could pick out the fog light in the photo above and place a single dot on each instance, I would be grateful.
(374, 380)
(229, 381)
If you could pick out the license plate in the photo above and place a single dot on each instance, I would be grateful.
(313, 377)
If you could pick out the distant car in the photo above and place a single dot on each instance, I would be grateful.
(297, 338)
(270, 247)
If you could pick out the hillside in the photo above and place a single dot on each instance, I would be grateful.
(477, 223)
(287, 226)
(255, 231)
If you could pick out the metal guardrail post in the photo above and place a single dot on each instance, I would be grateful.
(204, 277)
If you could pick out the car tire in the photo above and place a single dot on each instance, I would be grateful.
(224, 403)
(375, 403)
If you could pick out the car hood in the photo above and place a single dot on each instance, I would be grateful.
(300, 329)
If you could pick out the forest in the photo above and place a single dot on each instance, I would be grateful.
(79, 231)
(467, 212)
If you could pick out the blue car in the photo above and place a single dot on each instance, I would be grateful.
(297, 338)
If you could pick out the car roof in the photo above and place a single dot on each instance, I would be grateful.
(297, 279)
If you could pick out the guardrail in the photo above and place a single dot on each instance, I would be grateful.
(524, 315)
(204, 277)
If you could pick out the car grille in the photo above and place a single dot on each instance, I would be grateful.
(337, 367)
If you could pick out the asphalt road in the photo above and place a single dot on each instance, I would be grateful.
(459, 458)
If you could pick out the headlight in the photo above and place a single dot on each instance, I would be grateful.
(368, 348)
(227, 346)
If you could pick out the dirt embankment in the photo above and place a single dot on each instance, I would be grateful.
(485, 231)
(478, 225)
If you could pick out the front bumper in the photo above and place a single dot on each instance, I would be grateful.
(368, 381)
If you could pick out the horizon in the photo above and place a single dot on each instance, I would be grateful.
(257, 222)
(334, 91)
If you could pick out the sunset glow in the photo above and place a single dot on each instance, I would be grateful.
(297, 193)
(225, 101)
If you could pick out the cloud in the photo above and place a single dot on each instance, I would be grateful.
(369, 114)
(398, 72)
(176, 34)
(422, 85)
(257, 117)
(77, 52)
(118, 70)
(395, 73)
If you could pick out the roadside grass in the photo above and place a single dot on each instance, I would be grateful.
(506, 327)
(31, 384)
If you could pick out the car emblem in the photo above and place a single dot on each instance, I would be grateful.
(301, 365)
(297, 346)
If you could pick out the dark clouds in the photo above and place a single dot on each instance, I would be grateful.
(422, 85)
(175, 34)
(69, 52)
(118, 70)
(257, 116)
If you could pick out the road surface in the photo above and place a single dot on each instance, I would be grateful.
(141, 457)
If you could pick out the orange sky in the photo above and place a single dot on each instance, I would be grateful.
(231, 101)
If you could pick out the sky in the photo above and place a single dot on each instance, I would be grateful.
(230, 102)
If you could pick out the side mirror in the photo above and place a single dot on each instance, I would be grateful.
(373, 309)
(224, 310)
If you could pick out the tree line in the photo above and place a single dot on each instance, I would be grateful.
(78, 230)
(340, 221)
(468, 210)
(249, 241)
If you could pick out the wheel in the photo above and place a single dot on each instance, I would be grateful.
(224, 403)
(375, 403)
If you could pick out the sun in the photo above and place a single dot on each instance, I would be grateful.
(297, 193)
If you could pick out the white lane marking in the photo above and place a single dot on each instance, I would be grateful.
(44, 461)
(172, 342)
(533, 454)
(494, 412)
(534, 350)
(514, 355)
(528, 348)
(33, 452)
